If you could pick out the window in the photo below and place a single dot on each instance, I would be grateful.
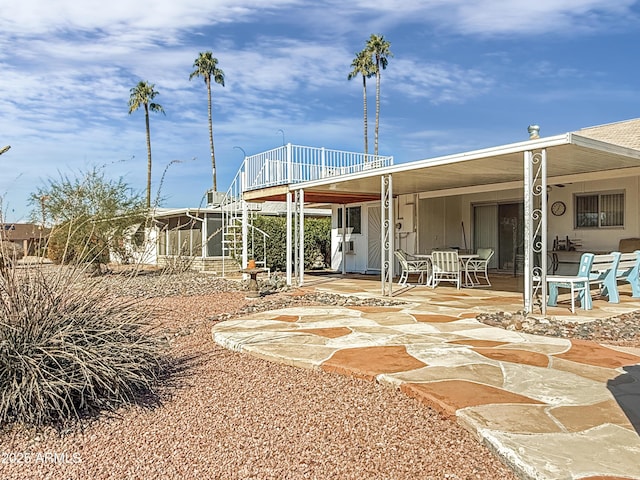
(353, 219)
(599, 210)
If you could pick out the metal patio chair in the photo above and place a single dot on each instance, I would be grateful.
(446, 267)
(411, 266)
(479, 266)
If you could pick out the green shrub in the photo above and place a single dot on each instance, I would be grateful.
(317, 240)
(68, 348)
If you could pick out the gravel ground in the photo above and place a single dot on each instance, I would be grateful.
(623, 330)
(229, 416)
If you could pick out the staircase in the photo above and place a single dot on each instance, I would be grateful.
(235, 238)
(288, 164)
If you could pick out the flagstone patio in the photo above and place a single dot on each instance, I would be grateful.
(551, 408)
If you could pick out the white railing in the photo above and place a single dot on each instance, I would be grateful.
(294, 164)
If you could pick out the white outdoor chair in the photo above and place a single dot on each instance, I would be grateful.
(446, 267)
(479, 266)
(409, 266)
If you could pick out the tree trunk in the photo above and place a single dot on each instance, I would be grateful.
(366, 129)
(213, 156)
(146, 119)
(375, 146)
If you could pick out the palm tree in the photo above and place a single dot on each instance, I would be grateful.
(363, 65)
(379, 49)
(143, 94)
(206, 66)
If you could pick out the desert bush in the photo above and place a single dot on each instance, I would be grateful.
(77, 242)
(10, 252)
(69, 348)
(92, 215)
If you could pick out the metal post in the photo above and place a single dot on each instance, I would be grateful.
(245, 233)
(203, 237)
(535, 229)
(296, 257)
(301, 241)
(344, 238)
(543, 223)
(528, 227)
(288, 246)
(289, 178)
(387, 234)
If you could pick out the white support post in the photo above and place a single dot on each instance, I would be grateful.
(528, 209)
(294, 244)
(289, 165)
(245, 234)
(344, 239)
(386, 234)
(203, 237)
(288, 246)
(544, 233)
(301, 241)
(535, 229)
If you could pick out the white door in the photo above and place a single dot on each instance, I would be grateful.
(373, 238)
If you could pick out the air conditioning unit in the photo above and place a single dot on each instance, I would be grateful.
(215, 198)
(348, 247)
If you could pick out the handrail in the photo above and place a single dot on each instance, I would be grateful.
(291, 164)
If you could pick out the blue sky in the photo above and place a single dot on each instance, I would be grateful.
(465, 75)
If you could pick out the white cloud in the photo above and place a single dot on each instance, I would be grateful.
(162, 17)
(437, 82)
(495, 17)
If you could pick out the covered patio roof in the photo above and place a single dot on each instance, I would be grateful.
(605, 151)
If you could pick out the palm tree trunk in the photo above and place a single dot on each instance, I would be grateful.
(213, 156)
(366, 132)
(375, 146)
(146, 119)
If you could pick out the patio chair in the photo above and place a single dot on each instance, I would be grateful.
(576, 283)
(411, 266)
(446, 267)
(478, 266)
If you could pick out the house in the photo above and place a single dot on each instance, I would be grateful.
(212, 238)
(30, 237)
(578, 190)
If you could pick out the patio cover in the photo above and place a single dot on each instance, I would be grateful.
(605, 151)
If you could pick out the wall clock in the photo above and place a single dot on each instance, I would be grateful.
(558, 208)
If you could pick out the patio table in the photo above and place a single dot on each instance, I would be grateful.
(463, 258)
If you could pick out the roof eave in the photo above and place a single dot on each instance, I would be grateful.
(586, 142)
(535, 144)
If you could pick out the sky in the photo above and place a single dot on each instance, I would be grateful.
(465, 74)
